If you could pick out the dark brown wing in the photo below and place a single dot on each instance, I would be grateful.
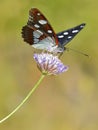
(37, 22)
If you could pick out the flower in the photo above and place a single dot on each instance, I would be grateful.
(49, 64)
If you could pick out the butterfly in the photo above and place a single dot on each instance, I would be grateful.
(39, 33)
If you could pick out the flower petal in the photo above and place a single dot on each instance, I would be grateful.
(49, 64)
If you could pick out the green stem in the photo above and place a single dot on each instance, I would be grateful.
(26, 98)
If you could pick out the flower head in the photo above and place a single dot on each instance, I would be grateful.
(49, 64)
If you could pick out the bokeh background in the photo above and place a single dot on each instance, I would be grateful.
(65, 102)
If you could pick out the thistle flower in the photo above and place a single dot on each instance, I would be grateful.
(49, 64)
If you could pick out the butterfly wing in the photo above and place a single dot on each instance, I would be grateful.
(38, 31)
(66, 36)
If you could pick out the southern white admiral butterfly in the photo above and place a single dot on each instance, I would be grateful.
(39, 33)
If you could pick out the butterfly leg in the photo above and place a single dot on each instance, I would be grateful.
(60, 54)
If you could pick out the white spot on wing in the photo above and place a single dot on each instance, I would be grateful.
(49, 31)
(38, 14)
(81, 26)
(30, 18)
(75, 31)
(60, 36)
(65, 33)
(41, 33)
(69, 37)
(42, 22)
(36, 25)
(37, 33)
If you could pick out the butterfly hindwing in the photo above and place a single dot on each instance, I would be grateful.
(66, 36)
(31, 35)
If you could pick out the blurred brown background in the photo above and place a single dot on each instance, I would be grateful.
(65, 102)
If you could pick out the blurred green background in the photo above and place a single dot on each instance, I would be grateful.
(65, 102)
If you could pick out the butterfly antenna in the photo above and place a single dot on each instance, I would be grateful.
(77, 51)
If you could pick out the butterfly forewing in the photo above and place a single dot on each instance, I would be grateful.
(39, 21)
(38, 29)
(66, 36)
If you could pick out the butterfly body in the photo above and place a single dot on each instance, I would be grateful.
(39, 33)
